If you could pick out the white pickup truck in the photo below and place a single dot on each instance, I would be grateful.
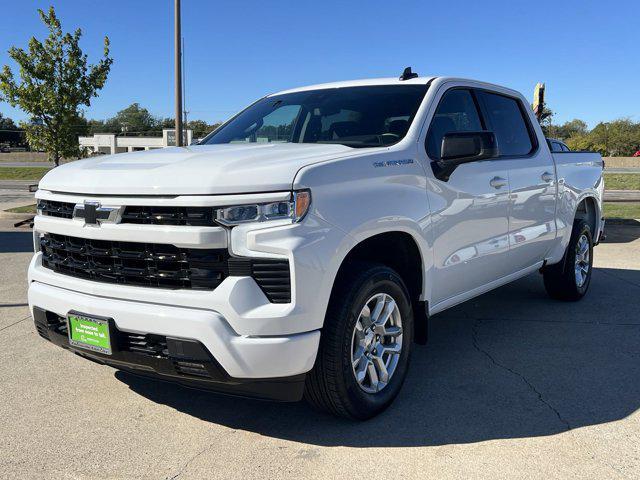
(300, 249)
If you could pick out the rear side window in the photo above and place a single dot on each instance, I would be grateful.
(556, 147)
(505, 118)
(456, 112)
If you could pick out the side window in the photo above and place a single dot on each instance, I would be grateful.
(456, 112)
(506, 120)
(564, 148)
(556, 147)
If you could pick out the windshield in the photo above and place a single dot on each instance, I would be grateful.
(370, 116)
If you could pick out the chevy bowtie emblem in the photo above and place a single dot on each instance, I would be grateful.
(94, 214)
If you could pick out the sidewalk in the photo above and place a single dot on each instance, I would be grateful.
(622, 195)
(26, 164)
(15, 193)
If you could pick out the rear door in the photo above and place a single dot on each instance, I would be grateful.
(532, 183)
(469, 210)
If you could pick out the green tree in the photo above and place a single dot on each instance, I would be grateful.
(568, 129)
(97, 126)
(6, 123)
(573, 128)
(133, 119)
(168, 123)
(201, 128)
(617, 138)
(55, 80)
(546, 120)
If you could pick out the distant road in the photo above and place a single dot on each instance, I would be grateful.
(622, 195)
(17, 184)
(15, 193)
(26, 164)
(622, 170)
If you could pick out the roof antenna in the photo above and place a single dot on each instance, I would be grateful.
(408, 74)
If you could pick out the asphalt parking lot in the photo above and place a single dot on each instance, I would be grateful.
(511, 385)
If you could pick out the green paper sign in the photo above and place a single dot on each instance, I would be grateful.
(89, 333)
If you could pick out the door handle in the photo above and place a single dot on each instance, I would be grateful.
(498, 182)
(547, 177)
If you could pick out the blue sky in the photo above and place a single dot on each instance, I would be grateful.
(587, 52)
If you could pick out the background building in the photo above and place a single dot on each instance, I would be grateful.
(110, 143)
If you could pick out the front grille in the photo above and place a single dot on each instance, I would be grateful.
(170, 356)
(161, 266)
(196, 369)
(139, 264)
(142, 215)
(149, 344)
(52, 208)
(272, 276)
(274, 279)
(188, 216)
(49, 322)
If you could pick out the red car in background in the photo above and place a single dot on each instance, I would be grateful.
(637, 154)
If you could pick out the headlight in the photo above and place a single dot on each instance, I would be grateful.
(294, 210)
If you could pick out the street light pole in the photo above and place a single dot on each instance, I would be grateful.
(184, 94)
(178, 71)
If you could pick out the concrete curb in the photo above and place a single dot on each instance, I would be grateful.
(622, 196)
(16, 216)
(622, 221)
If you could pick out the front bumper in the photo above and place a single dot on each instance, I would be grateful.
(270, 367)
(248, 336)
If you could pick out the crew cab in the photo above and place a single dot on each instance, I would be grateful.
(300, 249)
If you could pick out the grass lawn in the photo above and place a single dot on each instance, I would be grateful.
(622, 181)
(27, 209)
(622, 210)
(22, 173)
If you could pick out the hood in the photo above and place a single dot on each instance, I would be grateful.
(194, 170)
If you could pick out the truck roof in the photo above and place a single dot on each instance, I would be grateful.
(360, 83)
(394, 81)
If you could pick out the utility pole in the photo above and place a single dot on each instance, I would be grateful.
(178, 71)
(184, 92)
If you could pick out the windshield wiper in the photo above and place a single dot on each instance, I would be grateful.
(353, 144)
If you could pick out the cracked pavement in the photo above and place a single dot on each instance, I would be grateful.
(511, 385)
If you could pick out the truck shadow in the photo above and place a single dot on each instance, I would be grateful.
(16, 241)
(622, 231)
(509, 364)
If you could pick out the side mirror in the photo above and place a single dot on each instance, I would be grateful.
(464, 147)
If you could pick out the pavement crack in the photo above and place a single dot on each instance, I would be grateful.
(573, 322)
(188, 462)
(15, 323)
(476, 345)
(559, 322)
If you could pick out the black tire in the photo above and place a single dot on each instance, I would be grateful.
(331, 385)
(560, 279)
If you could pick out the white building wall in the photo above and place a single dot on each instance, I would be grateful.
(111, 143)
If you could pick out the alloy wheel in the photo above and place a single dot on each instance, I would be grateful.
(582, 263)
(376, 343)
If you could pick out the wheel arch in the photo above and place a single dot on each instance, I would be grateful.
(401, 251)
(588, 209)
